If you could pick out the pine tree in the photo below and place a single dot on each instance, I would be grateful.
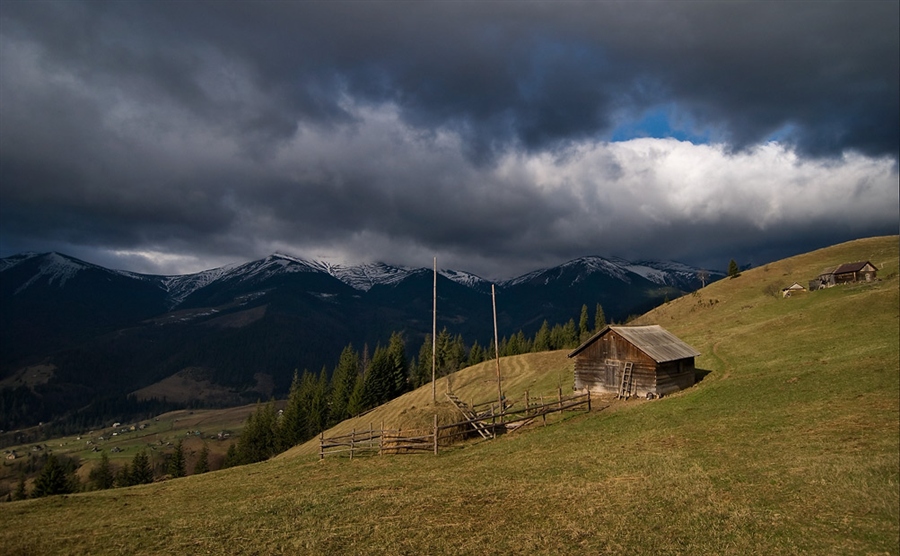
(294, 420)
(399, 365)
(599, 319)
(733, 269)
(141, 471)
(378, 379)
(202, 465)
(123, 476)
(231, 457)
(570, 334)
(422, 369)
(20, 493)
(258, 441)
(542, 338)
(343, 380)
(444, 354)
(583, 331)
(176, 466)
(357, 401)
(476, 354)
(52, 480)
(101, 476)
(317, 405)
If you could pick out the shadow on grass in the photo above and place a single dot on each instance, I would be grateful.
(700, 374)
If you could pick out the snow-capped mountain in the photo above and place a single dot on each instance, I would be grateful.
(110, 332)
(578, 270)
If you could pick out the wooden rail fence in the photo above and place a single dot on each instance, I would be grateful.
(399, 441)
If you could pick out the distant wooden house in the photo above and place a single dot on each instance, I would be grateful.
(844, 274)
(641, 360)
(793, 289)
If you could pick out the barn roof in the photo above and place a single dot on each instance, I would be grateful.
(654, 340)
(852, 267)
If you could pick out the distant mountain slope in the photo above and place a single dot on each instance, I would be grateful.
(109, 332)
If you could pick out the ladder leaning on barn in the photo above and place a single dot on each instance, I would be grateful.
(626, 386)
(470, 416)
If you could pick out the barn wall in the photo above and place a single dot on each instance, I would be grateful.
(599, 366)
(675, 375)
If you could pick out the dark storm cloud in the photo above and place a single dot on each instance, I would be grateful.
(184, 132)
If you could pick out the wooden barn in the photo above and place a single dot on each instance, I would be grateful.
(634, 360)
(845, 274)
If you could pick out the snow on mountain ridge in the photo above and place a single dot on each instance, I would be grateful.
(57, 267)
(60, 268)
(364, 276)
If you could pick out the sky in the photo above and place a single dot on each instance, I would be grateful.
(501, 137)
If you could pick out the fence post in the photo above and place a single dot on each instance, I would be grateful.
(559, 395)
(352, 439)
(589, 401)
(526, 402)
(322, 445)
(435, 435)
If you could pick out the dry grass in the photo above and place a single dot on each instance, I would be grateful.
(790, 445)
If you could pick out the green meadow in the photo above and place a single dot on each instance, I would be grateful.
(789, 443)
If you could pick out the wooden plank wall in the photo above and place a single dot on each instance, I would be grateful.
(675, 375)
(592, 363)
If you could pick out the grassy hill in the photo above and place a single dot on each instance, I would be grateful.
(790, 444)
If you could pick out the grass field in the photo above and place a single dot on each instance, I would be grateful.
(790, 444)
(193, 427)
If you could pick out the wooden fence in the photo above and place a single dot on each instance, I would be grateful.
(398, 441)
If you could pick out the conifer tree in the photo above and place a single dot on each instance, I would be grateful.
(599, 319)
(444, 355)
(476, 354)
(422, 369)
(176, 466)
(357, 401)
(379, 379)
(294, 420)
(231, 457)
(317, 405)
(343, 380)
(399, 365)
(733, 269)
(123, 476)
(20, 493)
(258, 440)
(141, 471)
(542, 338)
(583, 330)
(101, 476)
(202, 465)
(52, 480)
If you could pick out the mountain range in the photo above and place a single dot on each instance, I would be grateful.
(73, 333)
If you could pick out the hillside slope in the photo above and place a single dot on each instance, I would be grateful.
(790, 444)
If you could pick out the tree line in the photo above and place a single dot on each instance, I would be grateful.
(359, 382)
(55, 474)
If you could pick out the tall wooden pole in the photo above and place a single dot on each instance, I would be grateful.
(434, 336)
(497, 348)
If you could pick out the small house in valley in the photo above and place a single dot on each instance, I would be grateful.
(844, 274)
(634, 360)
